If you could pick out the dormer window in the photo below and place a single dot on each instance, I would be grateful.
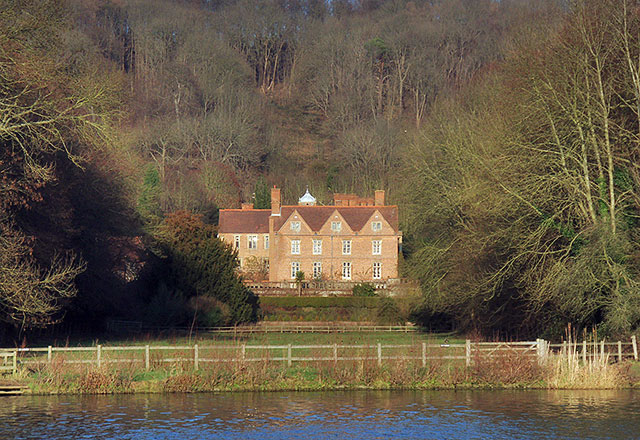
(295, 226)
(336, 226)
(376, 226)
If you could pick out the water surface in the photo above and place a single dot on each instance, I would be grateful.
(327, 415)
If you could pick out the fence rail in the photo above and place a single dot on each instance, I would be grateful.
(128, 326)
(8, 361)
(149, 355)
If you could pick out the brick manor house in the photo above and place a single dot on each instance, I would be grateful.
(355, 239)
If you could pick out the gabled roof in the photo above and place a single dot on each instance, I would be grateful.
(355, 216)
(245, 221)
(314, 216)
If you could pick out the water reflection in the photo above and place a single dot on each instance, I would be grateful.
(340, 415)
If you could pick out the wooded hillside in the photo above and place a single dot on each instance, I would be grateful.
(505, 130)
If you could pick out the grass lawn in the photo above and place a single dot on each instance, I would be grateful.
(205, 339)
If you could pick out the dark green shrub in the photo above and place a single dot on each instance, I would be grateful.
(168, 307)
(204, 266)
(389, 313)
(364, 289)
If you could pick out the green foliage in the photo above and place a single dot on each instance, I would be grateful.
(204, 266)
(166, 308)
(149, 200)
(262, 194)
(364, 289)
(389, 313)
(377, 49)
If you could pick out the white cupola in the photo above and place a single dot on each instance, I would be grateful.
(307, 199)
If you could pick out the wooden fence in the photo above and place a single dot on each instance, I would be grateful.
(195, 355)
(616, 351)
(8, 361)
(265, 327)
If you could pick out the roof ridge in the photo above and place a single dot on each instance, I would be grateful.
(240, 209)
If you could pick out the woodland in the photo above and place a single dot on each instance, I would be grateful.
(506, 132)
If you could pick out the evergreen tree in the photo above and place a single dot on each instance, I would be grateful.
(202, 265)
(149, 200)
(262, 198)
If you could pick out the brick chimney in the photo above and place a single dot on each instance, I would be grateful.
(246, 205)
(379, 197)
(275, 201)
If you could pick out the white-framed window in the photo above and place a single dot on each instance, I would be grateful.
(317, 247)
(317, 269)
(295, 247)
(376, 247)
(236, 241)
(346, 270)
(376, 226)
(252, 241)
(295, 268)
(295, 226)
(336, 226)
(377, 271)
(266, 241)
(346, 247)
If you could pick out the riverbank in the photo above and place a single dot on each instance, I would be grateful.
(507, 372)
(306, 361)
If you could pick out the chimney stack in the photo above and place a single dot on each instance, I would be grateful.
(246, 205)
(275, 201)
(379, 197)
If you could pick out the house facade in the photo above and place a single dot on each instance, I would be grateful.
(355, 239)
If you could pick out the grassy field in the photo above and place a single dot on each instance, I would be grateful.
(390, 338)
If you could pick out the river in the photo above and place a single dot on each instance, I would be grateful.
(327, 415)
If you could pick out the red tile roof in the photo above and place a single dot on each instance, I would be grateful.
(355, 216)
(257, 220)
(244, 221)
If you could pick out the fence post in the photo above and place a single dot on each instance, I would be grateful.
(196, 361)
(49, 355)
(379, 354)
(424, 354)
(146, 357)
(244, 352)
(602, 349)
(584, 351)
(15, 361)
(467, 347)
(99, 355)
(619, 351)
(541, 350)
(634, 343)
(289, 355)
(335, 353)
